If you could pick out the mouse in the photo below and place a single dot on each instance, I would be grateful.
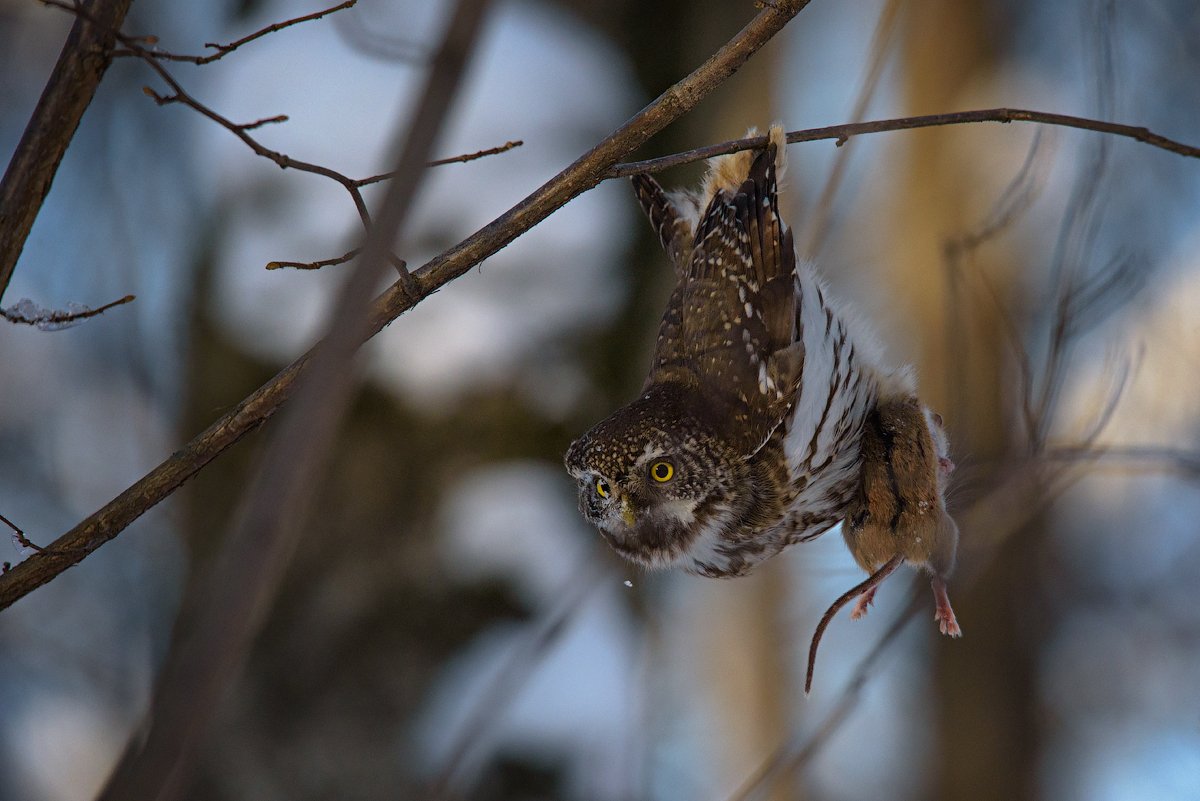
(898, 514)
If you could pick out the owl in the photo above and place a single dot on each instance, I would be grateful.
(746, 436)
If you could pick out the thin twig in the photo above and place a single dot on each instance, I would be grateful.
(278, 118)
(585, 173)
(491, 151)
(240, 130)
(45, 318)
(222, 50)
(793, 755)
(1161, 457)
(314, 265)
(19, 536)
(517, 669)
(820, 220)
(374, 179)
(1016, 198)
(843, 134)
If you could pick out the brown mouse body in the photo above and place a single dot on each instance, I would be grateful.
(901, 508)
(899, 512)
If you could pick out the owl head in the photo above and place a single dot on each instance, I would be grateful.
(653, 477)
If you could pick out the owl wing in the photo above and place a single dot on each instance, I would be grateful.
(730, 324)
(669, 220)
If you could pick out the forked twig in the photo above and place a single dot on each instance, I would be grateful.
(222, 50)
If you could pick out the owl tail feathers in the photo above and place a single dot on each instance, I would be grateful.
(726, 173)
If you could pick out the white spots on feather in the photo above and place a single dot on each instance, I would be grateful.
(742, 293)
(766, 384)
(749, 310)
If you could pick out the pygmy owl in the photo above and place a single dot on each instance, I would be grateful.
(746, 435)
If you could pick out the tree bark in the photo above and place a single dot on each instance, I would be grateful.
(81, 64)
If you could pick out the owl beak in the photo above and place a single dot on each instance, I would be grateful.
(627, 514)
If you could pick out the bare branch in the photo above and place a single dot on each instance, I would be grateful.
(84, 59)
(820, 220)
(19, 538)
(222, 50)
(792, 756)
(585, 173)
(25, 312)
(491, 151)
(240, 130)
(238, 590)
(314, 265)
(843, 133)
(504, 148)
(516, 671)
(1164, 458)
(250, 126)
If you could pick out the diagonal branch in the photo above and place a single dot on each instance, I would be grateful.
(237, 592)
(81, 64)
(589, 170)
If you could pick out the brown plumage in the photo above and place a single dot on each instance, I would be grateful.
(755, 398)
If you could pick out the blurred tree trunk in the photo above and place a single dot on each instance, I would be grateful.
(752, 682)
(987, 744)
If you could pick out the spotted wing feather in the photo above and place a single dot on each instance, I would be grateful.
(732, 318)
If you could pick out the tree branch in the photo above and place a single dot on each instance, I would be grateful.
(843, 133)
(81, 64)
(222, 50)
(237, 591)
(585, 173)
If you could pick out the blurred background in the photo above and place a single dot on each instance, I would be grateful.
(449, 627)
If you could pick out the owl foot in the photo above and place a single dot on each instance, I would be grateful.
(864, 601)
(944, 614)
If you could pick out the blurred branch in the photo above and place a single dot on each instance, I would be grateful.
(25, 312)
(820, 220)
(81, 64)
(222, 50)
(1164, 458)
(517, 669)
(1016, 198)
(585, 173)
(236, 593)
(373, 41)
(843, 133)
(794, 755)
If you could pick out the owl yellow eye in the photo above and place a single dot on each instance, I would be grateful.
(602, 488)
(662, 471)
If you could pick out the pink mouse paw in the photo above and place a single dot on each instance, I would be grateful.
(864, 601)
